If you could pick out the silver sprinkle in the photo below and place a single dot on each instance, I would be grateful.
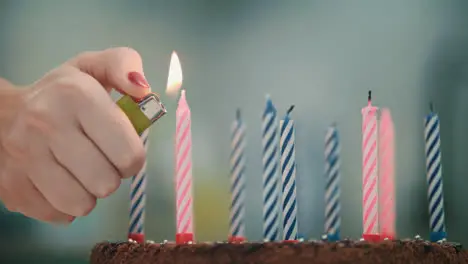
(301, 240)
(150, 242)
(190, 242)
(164, 241)
(361, 239)
(324, 237)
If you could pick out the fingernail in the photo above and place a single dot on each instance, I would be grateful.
(138, 79)
(71, 218)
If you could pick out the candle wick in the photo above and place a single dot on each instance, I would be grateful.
(431, 107)
(238, 114)
(369, 96)
(290, 109)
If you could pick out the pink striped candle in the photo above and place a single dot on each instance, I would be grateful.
(386, 175)
(369, 172)
(183, 151)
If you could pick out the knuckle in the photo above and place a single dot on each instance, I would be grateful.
(50, 215)
(37, 118)
(11, 207)
(5, 196)
(126, 51)
(9, 203)
(71, 86)
(83, 56)
(85, 207)
(76, 89)
(133, 161)
(108, 188)
(17, 150)
(46, 215)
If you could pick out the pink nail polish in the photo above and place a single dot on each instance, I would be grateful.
(138, 79)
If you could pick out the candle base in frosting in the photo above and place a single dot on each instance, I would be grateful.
(372, 237)
(139, 238)
(236, 239)
(437, 236)
(184, 238)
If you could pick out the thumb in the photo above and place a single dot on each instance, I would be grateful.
(118, 68)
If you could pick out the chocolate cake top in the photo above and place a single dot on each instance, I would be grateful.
(346, 251)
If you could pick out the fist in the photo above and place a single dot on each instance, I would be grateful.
(68, 143)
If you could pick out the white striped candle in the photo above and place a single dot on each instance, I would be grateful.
(288, 179)
(138, 200)
(332, 188)
(237, 211)
(434, 177)
(271, 222)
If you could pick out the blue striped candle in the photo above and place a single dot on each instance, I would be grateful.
(332, 188)
(237, 225)
(434, 177)
(270, 173)
(138, 200)
(288, 179)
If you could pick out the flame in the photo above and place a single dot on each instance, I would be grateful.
(174, 80)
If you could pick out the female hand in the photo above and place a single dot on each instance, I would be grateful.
(64, 142)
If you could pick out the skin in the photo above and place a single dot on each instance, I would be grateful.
(63, 142)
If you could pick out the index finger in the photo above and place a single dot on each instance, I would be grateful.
(119, 68)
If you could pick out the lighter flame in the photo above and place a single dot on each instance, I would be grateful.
(174, 80)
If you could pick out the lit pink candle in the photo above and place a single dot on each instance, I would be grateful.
(184, 201)
(182, 155)
(369, 172)
(386, 176)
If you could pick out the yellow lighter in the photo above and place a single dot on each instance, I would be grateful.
(144, 112)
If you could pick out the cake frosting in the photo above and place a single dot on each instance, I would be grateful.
(317, 252)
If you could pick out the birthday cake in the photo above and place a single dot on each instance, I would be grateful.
(291, 252)
(345, 251)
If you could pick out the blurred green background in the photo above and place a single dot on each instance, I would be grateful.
(322, 56)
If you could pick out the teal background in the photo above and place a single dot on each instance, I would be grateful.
(322, 56)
